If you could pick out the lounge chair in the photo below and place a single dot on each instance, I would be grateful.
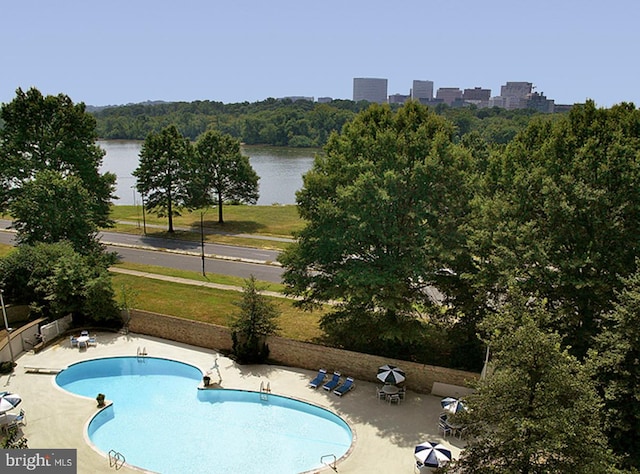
(333, 383)
(315, 383)
(345, 387)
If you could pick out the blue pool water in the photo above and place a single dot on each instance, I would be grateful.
(161, 422)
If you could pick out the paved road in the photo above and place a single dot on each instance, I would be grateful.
(218, 250)
(222, 259)
(270, 273)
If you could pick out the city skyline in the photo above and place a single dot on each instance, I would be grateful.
(112, 53)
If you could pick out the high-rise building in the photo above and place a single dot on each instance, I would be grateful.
(515, 94)
(370, 89)
(476, 94)
(449, 94)
(422, 91)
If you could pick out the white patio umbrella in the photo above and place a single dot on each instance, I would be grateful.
(390, 374)
(453, 405)
(432, 454)
(9, 401)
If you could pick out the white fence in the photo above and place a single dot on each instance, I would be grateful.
(54, 329)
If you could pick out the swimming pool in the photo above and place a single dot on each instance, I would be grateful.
(161, 422)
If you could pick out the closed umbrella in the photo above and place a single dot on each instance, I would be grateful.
(390, 374)
(453, 405)
(9, 401)
(432, 454)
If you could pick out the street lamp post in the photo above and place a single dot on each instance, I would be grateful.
(6, 325)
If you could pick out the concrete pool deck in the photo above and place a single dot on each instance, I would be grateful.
(384, 435)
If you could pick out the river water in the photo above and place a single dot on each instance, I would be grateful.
(280, 170)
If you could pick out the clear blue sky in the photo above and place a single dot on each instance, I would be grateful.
(116, 52)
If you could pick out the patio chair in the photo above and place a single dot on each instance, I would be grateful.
(84, 333)
(93, 341)
(333, 383)
(345, 387)
(395, 398)
(74, 341)
(21, 419)
(402, 393)
(380, 394)
(315, 383)
(446, 429)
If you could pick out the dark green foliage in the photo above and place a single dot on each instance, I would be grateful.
(55, 280)
(615, 359)
(162, 176)
(538, 410)
(52, 208)
(561, 213)
(219, 173)
(50, 170)
(256, 321)
(385, 208)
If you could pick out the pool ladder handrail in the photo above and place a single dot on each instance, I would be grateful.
(331, 465)
(116, 459)
(141, 354)
(265, 390)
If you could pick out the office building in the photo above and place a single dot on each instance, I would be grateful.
(398, 98)
(449, 94)
(515, 94)
(422, 91)
(370, 89)
(477, 94)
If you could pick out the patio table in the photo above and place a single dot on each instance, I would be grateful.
(390, 389)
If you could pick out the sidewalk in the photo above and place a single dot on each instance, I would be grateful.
(209, 231)
(187, 281)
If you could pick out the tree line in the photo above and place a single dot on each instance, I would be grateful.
(282, 122)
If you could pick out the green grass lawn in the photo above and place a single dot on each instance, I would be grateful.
(210, 305)
(278, 221)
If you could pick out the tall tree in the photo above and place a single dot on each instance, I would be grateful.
(615, 358)
(221, 173)
(538, 410)
(384, 209)
(52, 133)
(561, 212)
(52, 208)
(161, 175)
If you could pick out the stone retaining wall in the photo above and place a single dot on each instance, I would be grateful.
(420, 377)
